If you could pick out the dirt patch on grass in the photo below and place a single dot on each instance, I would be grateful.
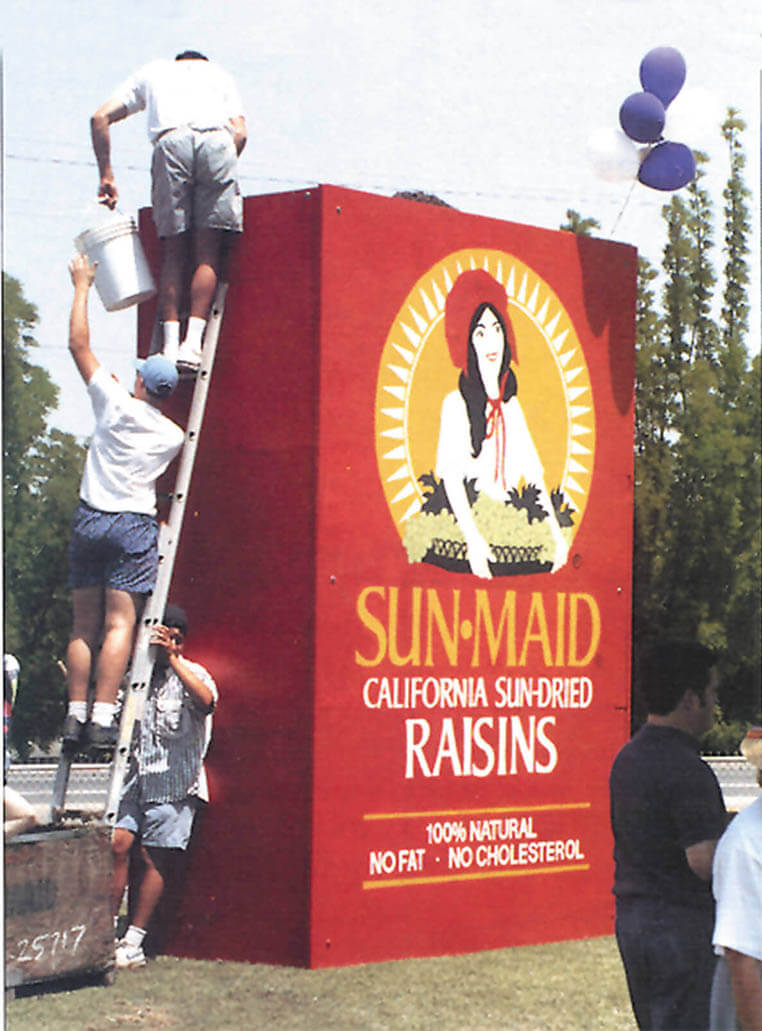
(140, 1017)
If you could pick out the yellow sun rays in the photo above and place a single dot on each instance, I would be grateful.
(421, 315)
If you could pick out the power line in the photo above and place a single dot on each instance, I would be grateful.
(68, 161)
(392, 186)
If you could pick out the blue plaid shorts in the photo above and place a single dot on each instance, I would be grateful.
(113, 549)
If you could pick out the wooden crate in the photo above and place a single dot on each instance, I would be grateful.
(58, 920)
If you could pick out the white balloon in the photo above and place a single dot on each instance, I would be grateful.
(613, 155)
(694, 118)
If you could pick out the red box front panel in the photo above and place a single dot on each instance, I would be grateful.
(408, 759)
(460, 794)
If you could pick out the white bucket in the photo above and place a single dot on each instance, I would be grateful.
(122, 275)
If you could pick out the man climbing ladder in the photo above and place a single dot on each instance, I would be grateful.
(113, 555)
(164, 557)
(197, 128)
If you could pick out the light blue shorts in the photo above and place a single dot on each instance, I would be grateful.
(159, 824)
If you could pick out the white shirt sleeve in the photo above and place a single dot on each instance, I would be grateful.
(737, 884)
(206, 678)
(133, 92)
(233, 98)
(104, 392)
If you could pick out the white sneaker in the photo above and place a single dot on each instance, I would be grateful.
(129, 956)
(188, 358)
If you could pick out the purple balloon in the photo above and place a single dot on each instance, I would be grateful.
(662, 72)
(642, 117)
(668, 167)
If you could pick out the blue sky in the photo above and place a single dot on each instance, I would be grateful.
(488, 104)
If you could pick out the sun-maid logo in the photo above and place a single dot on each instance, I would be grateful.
(485, 421)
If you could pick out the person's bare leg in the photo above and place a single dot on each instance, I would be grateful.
(130, 951)
(174, 256)
(174, 253)
(207, 246)
(158, 862)
(207, 249)
(121, 843)
(88, 605)
(18, 814)
(122, 612)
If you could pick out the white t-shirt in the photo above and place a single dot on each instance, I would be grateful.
(454, 450)
(737, 884)
(195, 93)
(132, 445)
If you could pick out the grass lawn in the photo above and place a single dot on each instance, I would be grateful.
(572, 986)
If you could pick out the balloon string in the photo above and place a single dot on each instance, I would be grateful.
(622, 209)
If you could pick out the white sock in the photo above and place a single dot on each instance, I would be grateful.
(194, 333)
(78, 710)
(134, 935)
(171, 340)
(103, 713)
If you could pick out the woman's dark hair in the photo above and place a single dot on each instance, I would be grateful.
(470, 382)
(191, 55)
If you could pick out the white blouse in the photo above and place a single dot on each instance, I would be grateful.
(508, 454)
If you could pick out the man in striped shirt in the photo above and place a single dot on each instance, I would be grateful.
(167, 782)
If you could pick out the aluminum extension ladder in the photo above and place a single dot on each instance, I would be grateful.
(143, 655)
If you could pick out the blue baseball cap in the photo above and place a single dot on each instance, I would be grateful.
(159, 375)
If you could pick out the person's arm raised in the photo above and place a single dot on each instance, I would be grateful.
(82, 275)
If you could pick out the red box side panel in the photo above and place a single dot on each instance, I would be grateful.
(245, 574)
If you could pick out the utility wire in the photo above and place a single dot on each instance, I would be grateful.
(392, 186)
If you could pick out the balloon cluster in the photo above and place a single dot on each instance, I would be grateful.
(660, 164)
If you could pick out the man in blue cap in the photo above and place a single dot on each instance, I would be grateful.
(113, 556)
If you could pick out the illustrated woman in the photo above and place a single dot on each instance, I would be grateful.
(483, 434)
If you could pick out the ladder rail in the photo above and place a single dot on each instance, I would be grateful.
(143, 657)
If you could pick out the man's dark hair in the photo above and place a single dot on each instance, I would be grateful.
(175, 617)
(191, 55)
(671, 669)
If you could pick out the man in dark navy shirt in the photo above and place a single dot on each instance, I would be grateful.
(667, 813)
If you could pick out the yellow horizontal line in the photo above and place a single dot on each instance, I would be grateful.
(404, 882)
(474, 812)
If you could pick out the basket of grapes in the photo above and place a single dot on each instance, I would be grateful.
(516, 529)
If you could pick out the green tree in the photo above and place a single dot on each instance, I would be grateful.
(739, 388)
(41, 471)
(703, 331)
(677, 299)
(696, 417)
(735, 308)
(697, 520)
(743, 618)
(575, 223)
(654, 461)
(698, 570)
(738, 396)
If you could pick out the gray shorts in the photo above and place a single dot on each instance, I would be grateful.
(159, 824)
(194, 181)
